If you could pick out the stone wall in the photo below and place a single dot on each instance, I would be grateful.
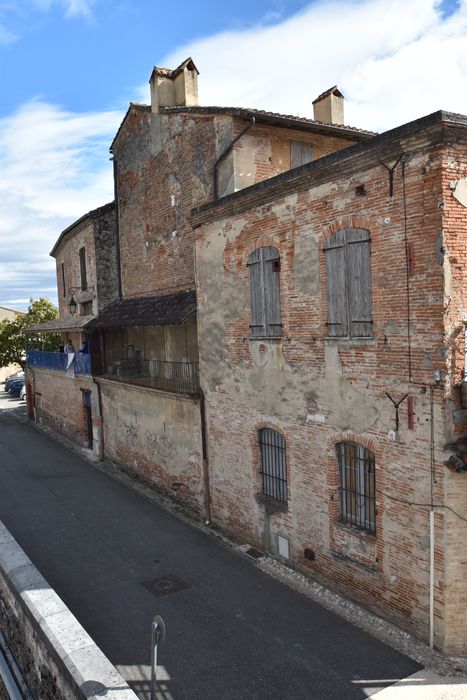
(57, 658)
(155, 436)
(59, 405)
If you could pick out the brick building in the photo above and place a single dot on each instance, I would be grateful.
(331, 308)
(86, 267)
(284, 352)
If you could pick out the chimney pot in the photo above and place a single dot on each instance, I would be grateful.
(174, 88)
(329, 107)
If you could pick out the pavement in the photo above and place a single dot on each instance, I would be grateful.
(117, 558)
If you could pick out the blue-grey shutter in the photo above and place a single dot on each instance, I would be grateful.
(359, 282)
(301, 152)
(271, 290)
(264, 266)
(258, 325)
(334, 249)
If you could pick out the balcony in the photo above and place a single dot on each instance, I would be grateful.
(176, 377)
(58, 361)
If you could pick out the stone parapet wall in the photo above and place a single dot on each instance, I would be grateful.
(57, 658)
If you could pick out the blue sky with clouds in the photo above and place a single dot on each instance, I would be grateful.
(68, 69)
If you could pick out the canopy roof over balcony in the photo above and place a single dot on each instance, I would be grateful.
(166, 310)
(55, 325)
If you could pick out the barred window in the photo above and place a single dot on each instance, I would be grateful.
(273, 465)
(264, 266)
(357, 485)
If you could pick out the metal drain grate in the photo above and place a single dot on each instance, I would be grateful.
(165, 585)
(254, 553)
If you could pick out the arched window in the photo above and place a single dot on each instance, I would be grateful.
(273, 465)
(348, 281)
(357, 484)
(264, 266)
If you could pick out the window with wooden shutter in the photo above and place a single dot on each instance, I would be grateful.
(348, 281)
(82, 267)
(264, 267)
(301, 152)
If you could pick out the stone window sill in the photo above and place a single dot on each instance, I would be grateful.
(271, 505)
(366, 340)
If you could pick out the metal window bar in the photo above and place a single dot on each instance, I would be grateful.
(273, 465)
(357, 485)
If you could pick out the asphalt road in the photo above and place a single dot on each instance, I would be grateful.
(233, 632)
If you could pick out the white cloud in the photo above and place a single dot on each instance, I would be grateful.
(7, 37)
(54, 167)
(394, 61)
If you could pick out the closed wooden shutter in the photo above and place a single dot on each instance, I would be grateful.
(264, 267)
(301, 152)
(336, 285)
(82, 266)
(258, 320)
(359, 282)
(271, 276)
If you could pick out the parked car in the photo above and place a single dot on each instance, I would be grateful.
(12, 378)
(23, 392)
(15, 387)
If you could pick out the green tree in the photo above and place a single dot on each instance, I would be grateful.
(11, 332)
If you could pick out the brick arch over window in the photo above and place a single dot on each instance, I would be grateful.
(347, 222)
(264, 273)
(348, 283)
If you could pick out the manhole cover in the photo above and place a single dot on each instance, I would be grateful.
(165, 585)
(254, 553)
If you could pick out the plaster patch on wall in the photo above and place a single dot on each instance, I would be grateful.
(349, 407)
(306, 266)
(460, 191)
(315, 418)
(285, 210)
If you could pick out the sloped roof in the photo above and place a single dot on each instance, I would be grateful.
(261, 116)
(171, 74)
(94, 214)
(55, 325)
(287, 120)
(166, 310)
(334, 90)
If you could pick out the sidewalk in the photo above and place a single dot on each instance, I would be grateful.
(233, 631)
(425, 685)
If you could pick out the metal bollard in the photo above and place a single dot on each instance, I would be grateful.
(157, 637)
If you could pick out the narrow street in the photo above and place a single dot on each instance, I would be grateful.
(232, 631)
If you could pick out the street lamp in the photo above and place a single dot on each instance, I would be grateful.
(72, 304)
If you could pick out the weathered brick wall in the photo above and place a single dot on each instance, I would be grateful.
(106, 259)
(155, 436)
(164, 165)
(96, 233)
(264, 151)
(318, 391)
(454, 168)
(68, 253)
(59, 403)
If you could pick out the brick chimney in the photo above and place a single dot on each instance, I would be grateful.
(174, 88)
(329, 107)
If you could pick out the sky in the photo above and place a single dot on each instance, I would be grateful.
(69, 68)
